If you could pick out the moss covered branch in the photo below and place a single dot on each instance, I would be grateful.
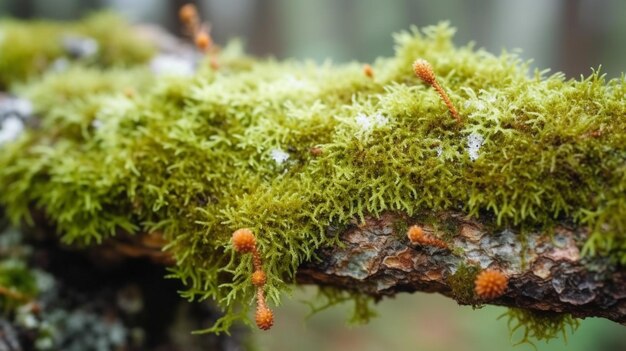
(300, 152)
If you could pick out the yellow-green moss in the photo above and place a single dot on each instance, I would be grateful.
(462, 284)
(539, 325)
(196, 158)
(28, 48)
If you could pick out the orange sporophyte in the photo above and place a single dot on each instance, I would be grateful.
(203, 41)
(188, 14)
(417, 235)
(259, 278)
(368, 71)
(490, 284)
(243, 240)
(425, 72)
(264, 317)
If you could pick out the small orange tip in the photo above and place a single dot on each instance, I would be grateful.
(490, 284)
(424, 70)
(264, 318)
(316, 151)
(243, 240)
(368, 71)
(259, 278)
(203, 41)
(417, 236)
(188, 13)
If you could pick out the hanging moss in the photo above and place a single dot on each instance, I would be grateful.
(28, 48)
(196, 158)
(539, 325)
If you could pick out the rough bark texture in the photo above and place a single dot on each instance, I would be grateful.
(545, 273)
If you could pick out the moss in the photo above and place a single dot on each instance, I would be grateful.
(328, 297)
(462, 284)
(17, 285)
(28, 48)
(539, 325)
(196, 158)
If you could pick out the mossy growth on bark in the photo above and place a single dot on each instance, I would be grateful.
(290, 149)
(28, 48)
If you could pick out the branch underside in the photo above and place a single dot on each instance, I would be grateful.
(546, 273)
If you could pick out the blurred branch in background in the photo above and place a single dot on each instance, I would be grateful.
(569, 36)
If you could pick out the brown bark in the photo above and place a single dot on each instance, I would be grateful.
(546, 273)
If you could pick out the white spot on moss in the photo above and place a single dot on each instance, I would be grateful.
(171, 65)
(279, 156)
(60, 65)
(439, 150)
(96, 124)
(474, 142)
(10, 129)
(367, 123)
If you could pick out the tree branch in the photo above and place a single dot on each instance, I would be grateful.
(546, 273)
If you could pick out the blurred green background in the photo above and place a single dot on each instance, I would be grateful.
(569, 36)
(418, 322)
(564, 35)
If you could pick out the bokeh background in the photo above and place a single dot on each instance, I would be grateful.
(569, 36)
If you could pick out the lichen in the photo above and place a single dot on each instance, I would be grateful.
(193, 157)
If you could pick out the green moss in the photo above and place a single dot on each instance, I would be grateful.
(17, 283)
(539, 325)
(197, 158)
(28, 48)
(328, 297)
(462, 284)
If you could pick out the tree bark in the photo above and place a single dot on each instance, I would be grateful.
(545, 273)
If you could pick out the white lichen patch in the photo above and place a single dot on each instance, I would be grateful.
(115, 106)
(367, 123)
(10, 129)
(439, 150)
(172, 65)
(279, 156)
(474, 142)
(80, 47)
(16, 107)
(96, 124)
(60, 65)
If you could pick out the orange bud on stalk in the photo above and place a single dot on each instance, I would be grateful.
(368, 71)
(264, 318)
(259, 278)
(203, 41)
(425, 72)
(243, 240)
(188, 14)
